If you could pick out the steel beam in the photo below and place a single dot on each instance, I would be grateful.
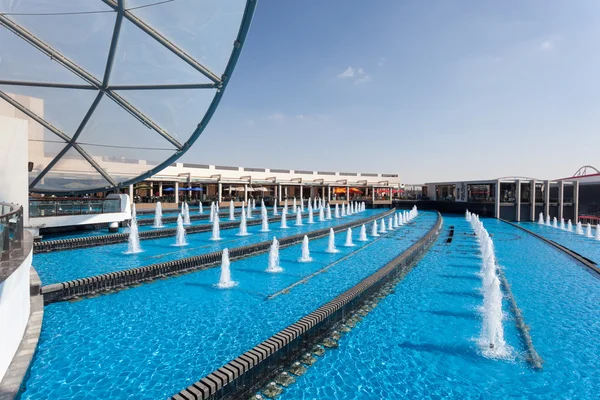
(48, 85)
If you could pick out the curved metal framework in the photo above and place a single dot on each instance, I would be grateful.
(102, 85)
(583, 171)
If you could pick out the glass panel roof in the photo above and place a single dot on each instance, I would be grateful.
(113, 88)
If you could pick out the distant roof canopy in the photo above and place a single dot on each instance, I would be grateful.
(111, 82)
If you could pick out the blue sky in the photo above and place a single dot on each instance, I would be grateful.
(433, 90)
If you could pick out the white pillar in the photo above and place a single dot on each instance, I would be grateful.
(576, 201)
(373, 194)
(13, 164)
(497, 200)
(348, 194)
(131, 194)
(532, 201)
(301, 192)
(160, 193)
(279, 191)
(518, 201)
(328, 193)
(246, 193)
(546, 198)
(176, 192)
(561, 199)
(220, 192)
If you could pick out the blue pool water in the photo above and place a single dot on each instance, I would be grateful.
(587, 247)
(66, 265)
(154, 340)
(419, 342)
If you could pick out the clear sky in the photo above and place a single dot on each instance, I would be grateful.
(433, 90)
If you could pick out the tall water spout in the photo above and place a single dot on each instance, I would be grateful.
(265, 222)
(555, 222)
(216, 230)
(374, 232)
(275, 207)
(541, 219)
(343, 210)
(328, 211)
(390, 224)
(212, 211)
(231, 211)
(570, 226)
(400, 223)
(382, 226)
(562, 224)
(158, 216)
(597, 231)
(337, 211)
(321, 214)
(263, 209)
(579, 228)
(298, 217)
(274, 257)
(331, 245)
(186, 214)
(284, 219)
(253, 204)
(349, 242)
(249, 211)
(133, 211)
(225, 282)
(468, 216)
(200, 209)
(133, 245)
(243, 228)
(548, 219)
(294, 206)
(180, 234)
(305, 251)
(588, 232)
(285, 205)
(310, 215)
(362, 237)
(348, 210)
(396, 221)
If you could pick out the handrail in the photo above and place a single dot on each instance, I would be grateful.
(11, 229)
(52, 207)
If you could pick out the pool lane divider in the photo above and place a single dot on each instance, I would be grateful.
(244, 375)
(121, 279)
(105, 240)
(578, 257)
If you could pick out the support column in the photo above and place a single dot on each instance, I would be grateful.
(160, 192)
(301, 192)
(546, 198)
(130, 194)
(561, 199)
(518, 201)
(532, 200)
(373, 194)
(245, 193)
(348, 194)
(328, 194)
(219, 192)
(497, 200)
(576, 201)
(176, 192)
(279, 192)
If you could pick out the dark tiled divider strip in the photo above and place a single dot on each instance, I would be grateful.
(92, 241)
(585, 261)
(119, 279)
(256, 366)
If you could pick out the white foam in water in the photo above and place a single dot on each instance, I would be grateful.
(298, 217)
(243, 227)
(374, 229)
(491, 340)
(349, 242)
(337, 211)
(331, 245)
(588, 232)
(305, 251)
(362, 237)
(275, 207)
(180, 239)
(231, 211)
(225, 281)
(158, 216)
(284, 219)
(541, 219)
(133, 243)
(274, 258)
(382, 226)
(216, 230)
(265, 222)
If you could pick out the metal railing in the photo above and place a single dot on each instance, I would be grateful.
(11, 229)
(68, 206)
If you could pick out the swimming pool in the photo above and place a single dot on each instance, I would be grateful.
(420, 341)
(156, 339)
